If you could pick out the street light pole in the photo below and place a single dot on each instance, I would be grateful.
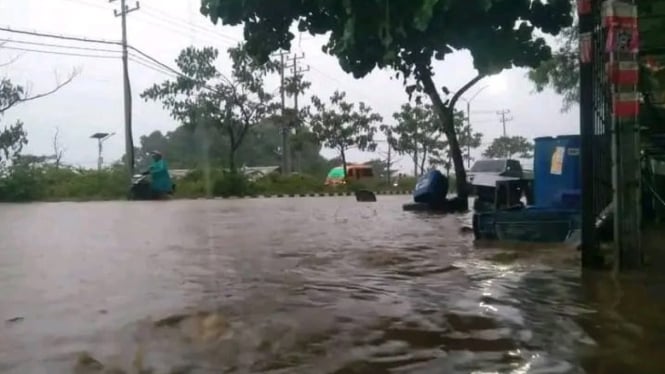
(101, 137)
(468, 123)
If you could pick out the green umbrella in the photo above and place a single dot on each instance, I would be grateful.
(336, 173)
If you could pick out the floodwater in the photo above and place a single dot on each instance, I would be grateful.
(310, 285)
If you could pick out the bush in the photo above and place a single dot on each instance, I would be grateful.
(232, 184)
(33, 182)
(22, 183)
(288, 184)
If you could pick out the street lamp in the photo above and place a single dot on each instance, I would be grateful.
(468, 122)
(101, 137)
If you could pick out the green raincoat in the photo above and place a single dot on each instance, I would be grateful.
(160, 178)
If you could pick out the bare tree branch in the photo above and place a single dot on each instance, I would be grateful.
(11, 61)
(21, 95)
(58, 150)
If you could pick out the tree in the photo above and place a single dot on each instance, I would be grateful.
(58, 149)
(14, 137)
(12, 95)
(418, 135)
(508, 146)
(341, 126)
(562, 71)
(202, 96)
(12, 141)
(406, 36)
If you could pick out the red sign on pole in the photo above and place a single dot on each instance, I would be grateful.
(583, 7)
(586, 48)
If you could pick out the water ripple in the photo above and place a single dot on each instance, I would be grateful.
(321, 285)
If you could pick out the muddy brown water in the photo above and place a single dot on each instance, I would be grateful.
(310, 285)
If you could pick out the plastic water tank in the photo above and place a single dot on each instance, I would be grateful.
(557, 172)
(431, 188)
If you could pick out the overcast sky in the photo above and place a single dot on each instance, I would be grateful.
(161, 28)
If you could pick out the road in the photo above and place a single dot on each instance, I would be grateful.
(305, 285)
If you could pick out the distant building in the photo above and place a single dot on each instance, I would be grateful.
(252, 172)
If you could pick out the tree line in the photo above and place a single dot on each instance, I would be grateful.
(406, 37)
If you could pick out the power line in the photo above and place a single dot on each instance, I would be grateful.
(159, 14)
(150, 65)
(59, 53)
(62, 37)
(58, 46)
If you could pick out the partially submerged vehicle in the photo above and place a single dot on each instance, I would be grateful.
(552, 209)
(354, 172)
(140, 189)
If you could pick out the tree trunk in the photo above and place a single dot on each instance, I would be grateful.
(342, 154)
(445, 113)
(232, 150)
(415, 163)
(422, 162)
(232, 160)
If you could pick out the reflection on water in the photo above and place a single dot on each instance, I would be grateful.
(319, 285)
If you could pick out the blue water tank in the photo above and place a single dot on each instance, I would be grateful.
(431, 188)
(557, 172)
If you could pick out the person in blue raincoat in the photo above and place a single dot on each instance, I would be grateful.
(160, 180)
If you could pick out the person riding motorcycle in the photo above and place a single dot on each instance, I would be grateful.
(160, 180)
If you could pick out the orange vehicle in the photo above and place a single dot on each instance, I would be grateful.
(354, 172)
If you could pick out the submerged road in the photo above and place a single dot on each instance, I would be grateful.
(310, 285)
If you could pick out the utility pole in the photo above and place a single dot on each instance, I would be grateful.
(504, 119)
(285, 135)
(127, 90)
(297, 76)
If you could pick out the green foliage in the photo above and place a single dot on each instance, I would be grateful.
(466, 137)
(417, 134)
(341, 126)
(562, 71)
(27, 181)
(202, 96)
(12, 141)
(367, 34)
(406, 35)
(201, 148)
(508, 146)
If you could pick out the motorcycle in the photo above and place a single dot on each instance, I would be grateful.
(140, 189)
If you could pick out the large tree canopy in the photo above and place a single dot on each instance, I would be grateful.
(406, 35)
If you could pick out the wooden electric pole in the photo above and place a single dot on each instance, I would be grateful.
(127, 91)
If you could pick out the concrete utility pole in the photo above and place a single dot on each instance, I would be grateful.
(285, 129)
(504, 119)
(284, 126)
(101, 137)
(127, 91)
(297, 76)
